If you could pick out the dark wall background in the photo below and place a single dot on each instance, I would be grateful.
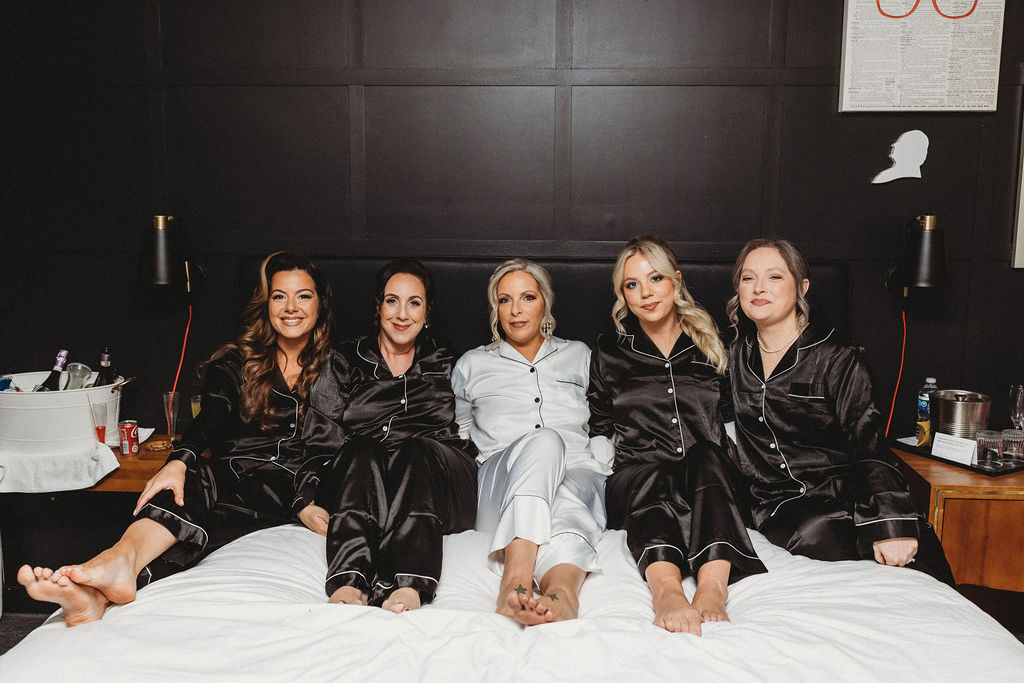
(485, 128)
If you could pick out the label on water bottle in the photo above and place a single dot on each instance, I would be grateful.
(923, 401)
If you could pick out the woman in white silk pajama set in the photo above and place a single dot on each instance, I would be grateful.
(522, 400)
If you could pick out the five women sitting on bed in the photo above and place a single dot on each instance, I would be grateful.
(402, 477)
(822, 481)
(256, 394)
(657, 389)
(368, 445)
(523, 401)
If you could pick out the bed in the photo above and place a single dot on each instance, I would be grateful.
(255, 610)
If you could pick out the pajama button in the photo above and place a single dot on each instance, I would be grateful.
(760, 419)
(536, 400)
(533, 369)
(668, 365)
(385, 428)
(536, 426)
(675, 420)
(771, 445)
(402, 401)
(292, 424)
(679, 449)
(782, 466)
(670, 391)
(803, 489)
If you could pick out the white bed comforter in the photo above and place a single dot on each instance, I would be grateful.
(255, 610)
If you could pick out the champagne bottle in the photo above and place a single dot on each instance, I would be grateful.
(106, 373)
(52, 381)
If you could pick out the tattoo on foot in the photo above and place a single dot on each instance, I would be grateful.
(553, 596)
(520, 590)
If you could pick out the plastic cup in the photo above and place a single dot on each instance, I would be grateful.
(98, 411)
(171, 412)
(78, 374)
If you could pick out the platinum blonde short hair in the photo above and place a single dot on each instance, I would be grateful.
(692, 318)
(543, 278)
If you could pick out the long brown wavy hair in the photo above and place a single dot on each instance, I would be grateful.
(258, 341)
(692, 318)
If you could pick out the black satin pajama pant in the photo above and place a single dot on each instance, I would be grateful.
(220, 506)
(682, 511)
(823, 530)
(390, 508)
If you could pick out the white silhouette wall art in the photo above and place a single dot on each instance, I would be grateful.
(908, 153)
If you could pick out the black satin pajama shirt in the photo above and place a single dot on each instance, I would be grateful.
(249, 480)
(672, 488)
(811, 446)
(401, 479)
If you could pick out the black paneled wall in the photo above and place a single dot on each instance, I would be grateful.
(477, 127)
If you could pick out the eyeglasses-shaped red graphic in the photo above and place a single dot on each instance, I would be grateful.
(935, 3)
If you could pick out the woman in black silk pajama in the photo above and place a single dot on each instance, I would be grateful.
(810, 440)
(255, 395)
(402, 477)
(656, 391)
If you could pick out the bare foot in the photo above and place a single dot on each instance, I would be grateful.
(513, 599)
(81, 604)
(402, 600)
(112, 573)
(555, 605)
(709, 601)
(348, 595)
(673, 613)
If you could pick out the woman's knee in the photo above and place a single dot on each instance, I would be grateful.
(541, 448)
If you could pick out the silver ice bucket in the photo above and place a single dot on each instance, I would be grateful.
(959, 412)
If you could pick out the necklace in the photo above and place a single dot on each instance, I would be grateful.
(781, 348)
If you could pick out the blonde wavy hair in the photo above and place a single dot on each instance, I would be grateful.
(797, 266)
(258, 341)
(543, 278)
(692, 318)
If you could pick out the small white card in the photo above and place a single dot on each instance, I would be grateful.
(947, 447)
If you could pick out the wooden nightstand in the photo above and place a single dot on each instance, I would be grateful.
(134, 470)
(979, 519)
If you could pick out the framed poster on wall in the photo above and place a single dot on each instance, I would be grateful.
(920, 55)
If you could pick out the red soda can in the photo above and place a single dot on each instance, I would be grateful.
(128, 432)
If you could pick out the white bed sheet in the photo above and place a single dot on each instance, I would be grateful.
(255, 610)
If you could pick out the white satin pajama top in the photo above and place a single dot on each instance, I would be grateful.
(499, 396)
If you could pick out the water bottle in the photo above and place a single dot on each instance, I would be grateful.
(924, 400)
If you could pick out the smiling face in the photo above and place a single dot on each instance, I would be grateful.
(650, 295)
(767, 289)
(293, 305)
(521, 311)
(403, 310)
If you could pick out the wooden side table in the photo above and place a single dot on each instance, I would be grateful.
(134, 470)
(979, 519)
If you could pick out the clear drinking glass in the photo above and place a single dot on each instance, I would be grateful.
(1017, 405)
(171, 412)
(78, 374)
(1012, 446)
(988, 448)
(197, 403)
(98, 410)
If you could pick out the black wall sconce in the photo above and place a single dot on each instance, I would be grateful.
(922, 271)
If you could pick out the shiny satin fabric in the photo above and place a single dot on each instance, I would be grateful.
(390, 506)
(682, 511)
(362, 398)
(219, 428)
(527, 491)
(398, 476)
(673, 485)
(249, 480)
(811, 446)
(654, 408)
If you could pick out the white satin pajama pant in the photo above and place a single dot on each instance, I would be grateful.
(529, 491)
